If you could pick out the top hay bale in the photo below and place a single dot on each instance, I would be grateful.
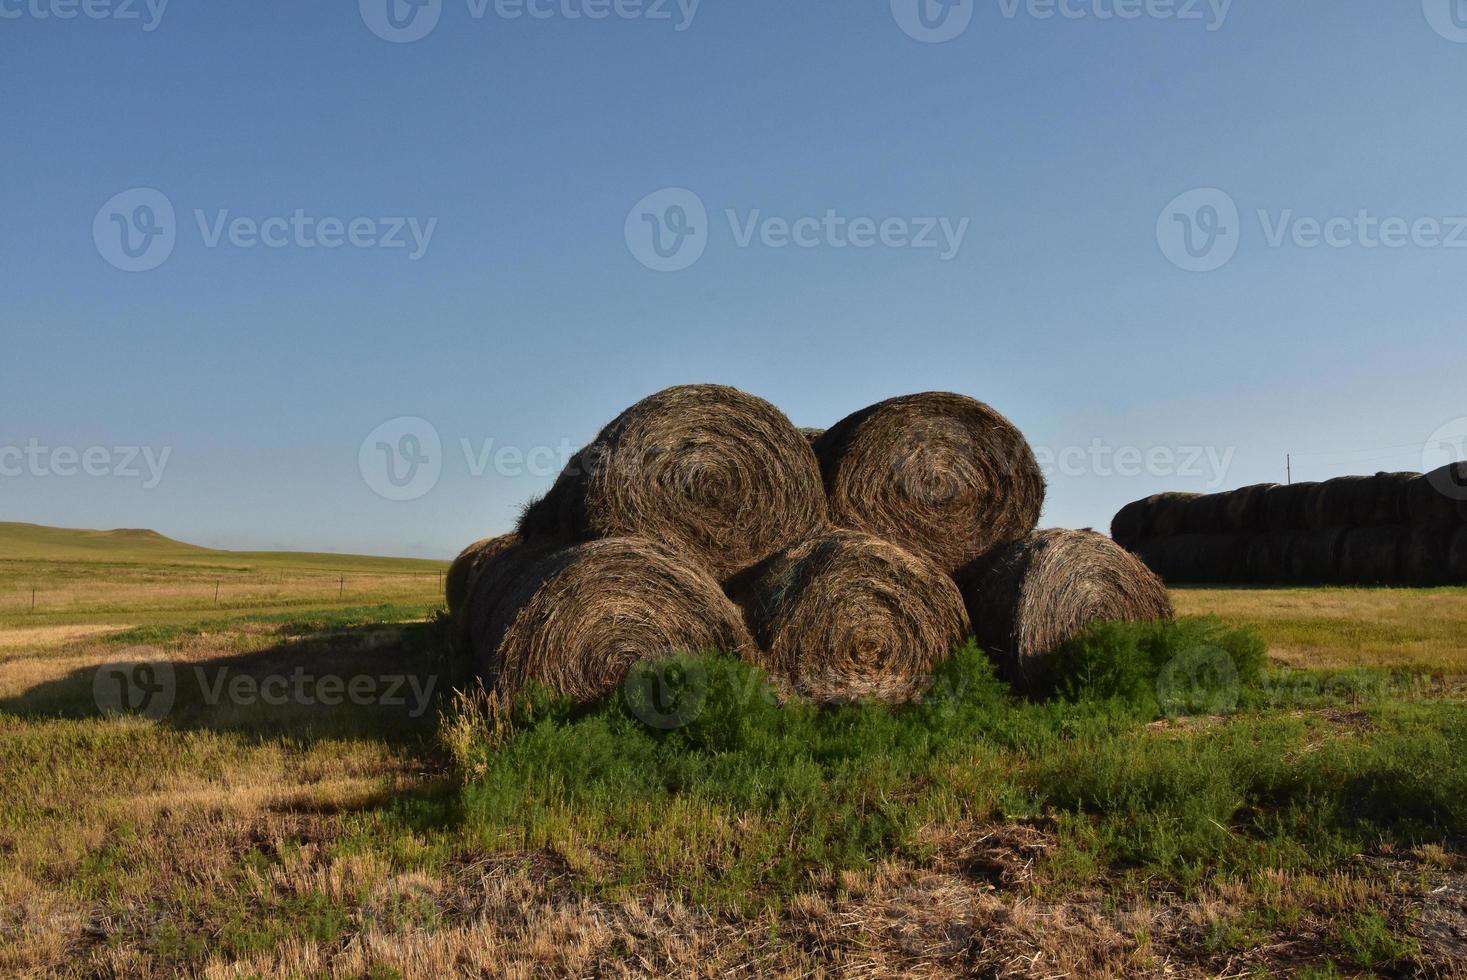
(709, 470)
(1438, 497)
(942, 475)
(1285, 507)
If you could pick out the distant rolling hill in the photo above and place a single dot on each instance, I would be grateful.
(37, 542)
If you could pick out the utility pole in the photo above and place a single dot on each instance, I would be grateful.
(1289, 467)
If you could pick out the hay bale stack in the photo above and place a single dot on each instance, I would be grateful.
(1438, 498)
(1381, 499)
(1285, 507)
(1371, 556)
(705, 469)
(1244, 509)
(1332, 503)
(1038, 593)
(578, 618)
(942, 475)
(846, 616)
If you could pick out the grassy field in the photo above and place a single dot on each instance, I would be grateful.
(295, 790)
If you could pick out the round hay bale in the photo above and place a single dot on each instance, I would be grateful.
(1219, 559)
(1317, 554)
(1284, 507)
(579, 617)
(1168, 514)
(1438, 497)
(1130, 525)
(1244, 509)
(1371, 556)
(1381, 499)
(708, 470)
(1457, 558)
(1332, 503)
(1037, 594)
(1206, 514)
(846, 616)
(1424, 556)
(942, 475)
(458, 584)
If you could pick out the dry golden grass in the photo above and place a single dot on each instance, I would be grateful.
(1416, 629)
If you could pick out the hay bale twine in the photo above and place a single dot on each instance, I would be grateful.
(1284, 507)
(1169, 513)
(1244, 508)
(1438, 497)
(1424, 555)
(847, 616)
(1332, 503)
(1371, 556)
(579, 617)
(1318, 556)
(1037, 594)
(1381, 499)
(942, 475)
(705, 469)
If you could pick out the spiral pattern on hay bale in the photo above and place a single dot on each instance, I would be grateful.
(847, 616)
(708, 470)
(1039, 593)
(576, 619)
(942, 475)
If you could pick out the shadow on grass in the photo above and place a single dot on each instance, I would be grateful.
(323, 679)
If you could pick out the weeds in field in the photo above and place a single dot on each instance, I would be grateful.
(746, 798)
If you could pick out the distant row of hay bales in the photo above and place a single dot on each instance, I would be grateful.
(847, 562)
(1387, 529)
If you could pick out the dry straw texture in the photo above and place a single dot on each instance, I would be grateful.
(706, 469)
(1038, 593)
(458, 584)
(578, 618)
(847, 616)
(942, 475)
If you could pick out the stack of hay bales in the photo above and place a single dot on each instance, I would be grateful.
(847, 562)
(1387, 529)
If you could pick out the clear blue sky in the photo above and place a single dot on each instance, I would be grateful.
(529, 320)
